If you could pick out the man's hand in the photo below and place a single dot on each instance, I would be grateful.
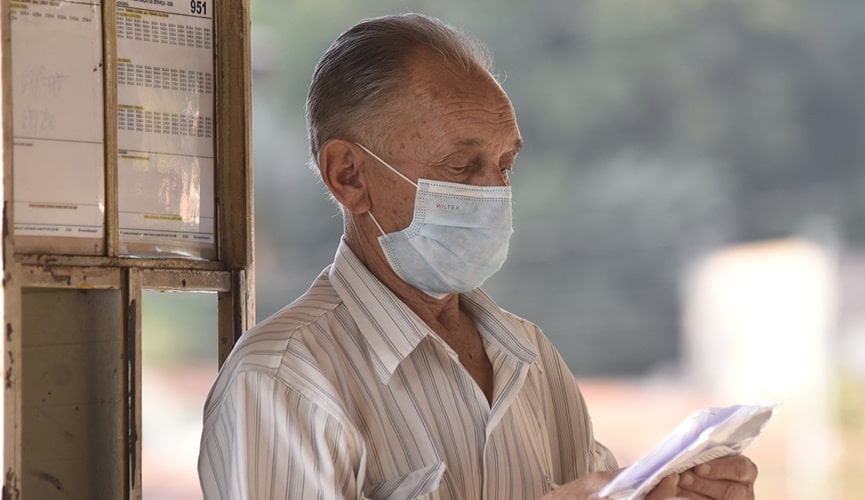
(729, 478)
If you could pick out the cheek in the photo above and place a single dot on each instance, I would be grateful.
(394, 206)
(402, 210)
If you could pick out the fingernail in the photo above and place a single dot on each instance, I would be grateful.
(686, 479)
(704, 469)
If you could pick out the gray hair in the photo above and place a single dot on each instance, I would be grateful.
(365, 66)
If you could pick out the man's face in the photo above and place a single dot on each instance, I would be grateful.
(445, 127)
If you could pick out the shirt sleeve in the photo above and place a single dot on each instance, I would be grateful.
(265, 440)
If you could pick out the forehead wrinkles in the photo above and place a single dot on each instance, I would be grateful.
(470, 122)
(495, 114)
(462, 94)
(484, 103)
(434, 84)
(441, 108)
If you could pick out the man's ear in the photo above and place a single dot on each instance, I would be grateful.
(340, 165)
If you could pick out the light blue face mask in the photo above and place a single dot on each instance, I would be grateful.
(457, 239)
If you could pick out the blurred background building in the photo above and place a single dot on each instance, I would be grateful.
(688, 212)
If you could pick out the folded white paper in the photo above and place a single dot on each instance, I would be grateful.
(705, 435)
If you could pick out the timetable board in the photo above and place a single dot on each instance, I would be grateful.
(58, 126)
(163, 117)
(165, 128)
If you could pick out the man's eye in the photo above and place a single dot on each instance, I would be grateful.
(458, 169)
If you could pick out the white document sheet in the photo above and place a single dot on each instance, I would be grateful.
(703, 436)
(58, 139)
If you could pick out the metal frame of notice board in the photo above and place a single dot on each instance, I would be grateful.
(72, 304)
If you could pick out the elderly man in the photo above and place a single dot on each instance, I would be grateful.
(395, 376)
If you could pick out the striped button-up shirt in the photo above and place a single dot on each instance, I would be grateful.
(346, 393)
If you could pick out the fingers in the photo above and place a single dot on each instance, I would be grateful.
(734, 468)
(666, 489)
(693, 486)
(730, 478)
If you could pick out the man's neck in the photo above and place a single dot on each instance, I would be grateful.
(432, 311)
(443, 316)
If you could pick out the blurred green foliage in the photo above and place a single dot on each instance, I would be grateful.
(178, 328)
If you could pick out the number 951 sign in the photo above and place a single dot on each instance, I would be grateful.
(198, 7)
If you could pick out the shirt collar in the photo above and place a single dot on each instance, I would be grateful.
(392, 330)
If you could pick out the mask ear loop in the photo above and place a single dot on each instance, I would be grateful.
(397, 172)
(376, 224)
